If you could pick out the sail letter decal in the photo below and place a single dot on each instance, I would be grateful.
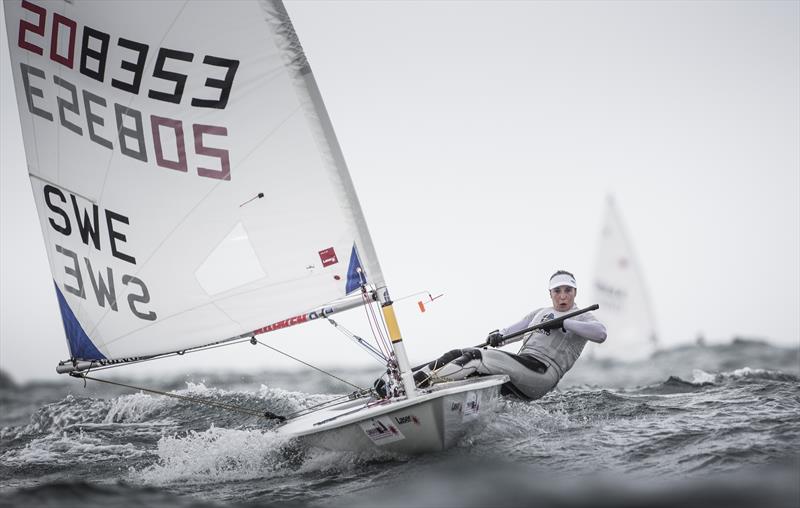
(89, 230)
(88, 62)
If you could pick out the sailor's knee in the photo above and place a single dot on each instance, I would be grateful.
(468, 355)
(445, 359)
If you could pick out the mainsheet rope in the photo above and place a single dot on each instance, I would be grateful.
(255, 341)
(221, 405)
(230, 407)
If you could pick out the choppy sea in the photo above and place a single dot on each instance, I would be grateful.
(692, 426)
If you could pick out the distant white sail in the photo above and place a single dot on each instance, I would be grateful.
(188, 181)
(619, 287)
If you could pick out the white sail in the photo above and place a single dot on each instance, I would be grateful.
(191, 192)
(188, 181)
(619, 288)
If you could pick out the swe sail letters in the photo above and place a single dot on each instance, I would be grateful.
(88, 225)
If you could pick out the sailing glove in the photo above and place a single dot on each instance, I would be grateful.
(552, 325)
(495, 339)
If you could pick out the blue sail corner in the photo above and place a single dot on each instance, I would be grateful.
(80, 345)
(355, 273)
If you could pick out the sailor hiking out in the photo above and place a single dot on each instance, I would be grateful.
(547, 353)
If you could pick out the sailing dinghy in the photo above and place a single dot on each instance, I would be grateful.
(192, 193)
(619, 287)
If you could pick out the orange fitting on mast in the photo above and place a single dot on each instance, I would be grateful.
(391, 323)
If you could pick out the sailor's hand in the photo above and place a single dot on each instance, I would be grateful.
(495, 339)
(552, 325)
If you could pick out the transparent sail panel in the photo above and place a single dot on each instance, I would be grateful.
(233, 263)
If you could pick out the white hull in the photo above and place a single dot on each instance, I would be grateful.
(435, 420)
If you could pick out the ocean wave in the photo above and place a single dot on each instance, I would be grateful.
(85, 494)
(286, 402)
(596, 405)
(702, 380)
(436, 484)
(64, 449)
(469, 484)
(131, 426)
(316, 460)
(59, 416)
(135, 408)
(747, 373)
(681, 423)
(6, 382)
(217, 455)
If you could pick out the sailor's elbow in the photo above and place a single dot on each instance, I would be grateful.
(601, 337)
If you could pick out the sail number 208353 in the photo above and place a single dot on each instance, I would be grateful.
(166, 135)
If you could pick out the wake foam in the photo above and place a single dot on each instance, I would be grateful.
(63, 449)
(217, 455)
(221, 454)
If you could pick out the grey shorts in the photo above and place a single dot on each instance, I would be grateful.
(525, 372)
(529, 377)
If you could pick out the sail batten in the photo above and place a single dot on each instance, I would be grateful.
(144, 137)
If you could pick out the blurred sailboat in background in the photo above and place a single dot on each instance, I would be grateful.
(619, 287)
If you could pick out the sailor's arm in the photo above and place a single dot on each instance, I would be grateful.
(519, 325)
(496, 338)
(594, 331)
(523, 323)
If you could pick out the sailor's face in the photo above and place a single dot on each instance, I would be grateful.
(563, 297)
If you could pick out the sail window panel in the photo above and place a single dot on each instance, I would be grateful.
(301, 213)
(233, 263)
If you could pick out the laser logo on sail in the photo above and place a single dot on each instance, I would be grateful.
(328, 257)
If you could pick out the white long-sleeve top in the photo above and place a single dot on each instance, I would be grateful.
(556, 348)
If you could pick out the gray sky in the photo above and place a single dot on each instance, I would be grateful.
(482, 140)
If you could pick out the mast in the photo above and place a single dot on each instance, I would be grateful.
(406, 376)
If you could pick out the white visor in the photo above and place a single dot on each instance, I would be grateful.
(563, 279)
